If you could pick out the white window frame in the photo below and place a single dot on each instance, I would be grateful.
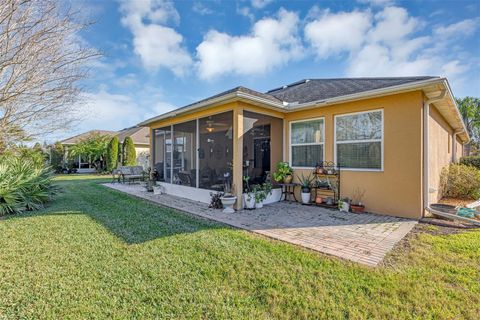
(382, 150)
(304, 144)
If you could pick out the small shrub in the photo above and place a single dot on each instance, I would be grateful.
(460, 181)
(216, 200)
(471, 161)
(24, 186)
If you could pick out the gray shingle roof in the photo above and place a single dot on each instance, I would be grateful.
(76, 139)
(139, 135)
(237, 89)
(320, 89)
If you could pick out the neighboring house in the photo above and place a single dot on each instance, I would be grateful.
(82, 163)
(392, 137)
(139, 135)
(141, 140)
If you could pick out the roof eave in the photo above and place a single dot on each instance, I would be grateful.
(366, 94)
(233, 96)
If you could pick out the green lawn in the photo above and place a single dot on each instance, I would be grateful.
(97, 253)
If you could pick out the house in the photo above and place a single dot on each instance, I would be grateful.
(391, 137)
(139, 135)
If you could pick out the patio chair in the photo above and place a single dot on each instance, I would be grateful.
(185, 178)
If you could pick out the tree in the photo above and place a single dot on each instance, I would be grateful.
(130, 155)
(56, 156)
(93, 147)
(42, 61)
(469, 108)
(112, 154)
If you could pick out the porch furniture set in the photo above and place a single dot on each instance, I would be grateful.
(128, 174)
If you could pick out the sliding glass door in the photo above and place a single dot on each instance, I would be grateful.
(185, 153)
(215, 151)
(163, 153)
(262, 145)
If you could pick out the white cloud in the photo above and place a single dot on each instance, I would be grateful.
(107, 111)
(201, 9)
(387, 43)
(463, 28)
(260, 4)
(334, 33)
(379, 3)
(157, 45)
(392, 24)
(246, 12)
(271, 43)
(378, 60)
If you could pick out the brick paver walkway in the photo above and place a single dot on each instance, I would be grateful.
(364, 238)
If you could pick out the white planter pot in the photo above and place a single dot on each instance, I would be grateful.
(305, 197)
(259, 205)
(249, 200)
(345, 206)
(228, 203)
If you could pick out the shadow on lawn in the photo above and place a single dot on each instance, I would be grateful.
(131, 219)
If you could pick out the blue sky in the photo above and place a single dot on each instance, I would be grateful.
(159, 55)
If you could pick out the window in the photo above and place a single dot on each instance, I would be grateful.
(306, 143)
(359, 140)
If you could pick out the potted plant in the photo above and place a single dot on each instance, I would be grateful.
(216, 200)
(267, 188)
(259, 196)
(248, 195)
(228, 199)
(284, 173)
(357, 205)
(344, 205)
(305, 183)
(321, 183)
(151, 181)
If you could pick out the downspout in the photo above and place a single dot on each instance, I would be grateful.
(454, 146)
(426, 118)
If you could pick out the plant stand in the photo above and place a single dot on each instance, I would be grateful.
(288, 191)
(333, 175)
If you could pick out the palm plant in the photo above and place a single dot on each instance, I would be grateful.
(24, 186)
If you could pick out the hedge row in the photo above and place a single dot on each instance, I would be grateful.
(471, 161)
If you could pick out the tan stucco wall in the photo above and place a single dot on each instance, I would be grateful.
(397, 189)
(440, 151)
(459, 149)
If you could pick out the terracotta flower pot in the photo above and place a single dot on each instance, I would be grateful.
(288, 179)
(318, 199)
(357, 208)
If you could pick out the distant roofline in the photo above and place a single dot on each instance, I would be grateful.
(86, 132)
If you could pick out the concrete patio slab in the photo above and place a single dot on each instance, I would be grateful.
(363, 238)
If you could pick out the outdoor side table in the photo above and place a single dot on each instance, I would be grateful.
(288, 191)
